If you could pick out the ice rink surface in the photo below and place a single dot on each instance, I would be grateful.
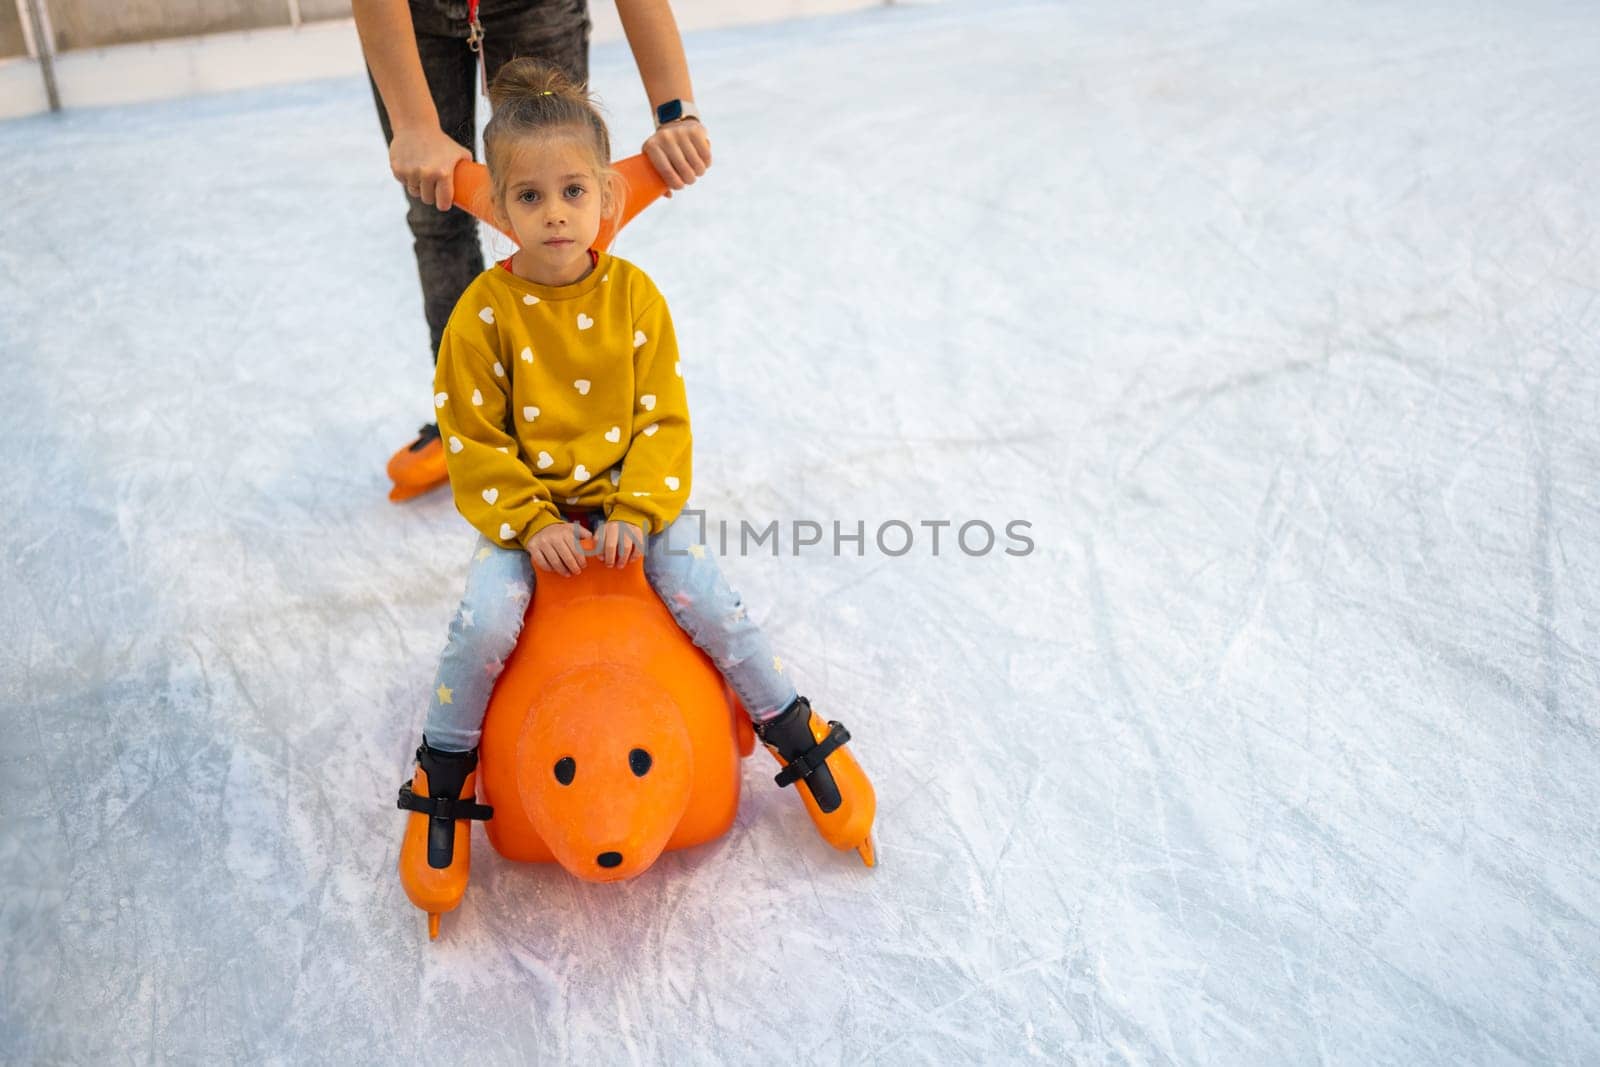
(1277, 321)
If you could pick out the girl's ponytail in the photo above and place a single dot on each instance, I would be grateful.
(522, 79)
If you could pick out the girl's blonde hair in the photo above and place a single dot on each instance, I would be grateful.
(532, 99)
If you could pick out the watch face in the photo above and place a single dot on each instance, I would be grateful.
(671, 111)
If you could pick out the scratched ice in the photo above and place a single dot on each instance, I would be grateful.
(1276, 320)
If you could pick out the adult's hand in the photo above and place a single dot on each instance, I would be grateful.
(424, 159)
(680, 152)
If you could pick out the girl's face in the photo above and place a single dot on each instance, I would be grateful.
(553, 205)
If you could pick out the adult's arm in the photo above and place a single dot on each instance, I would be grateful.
(680, 151)
(421, 155)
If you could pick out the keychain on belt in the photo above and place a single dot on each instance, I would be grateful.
(475, 42)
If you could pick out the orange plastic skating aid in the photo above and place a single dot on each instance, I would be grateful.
(419, 467)
(848, 826)
(610, 737)
(472, 193)
(432, 889)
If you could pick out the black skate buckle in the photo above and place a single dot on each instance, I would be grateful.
(442, 807)
(426, 435)
(809, 762)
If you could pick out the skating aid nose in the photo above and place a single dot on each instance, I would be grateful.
(609, 859)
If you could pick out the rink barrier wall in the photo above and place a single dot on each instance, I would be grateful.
(305, 47)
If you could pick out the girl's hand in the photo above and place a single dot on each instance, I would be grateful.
(555, 548)
(424, 160)
(620, 542)
(680, 151)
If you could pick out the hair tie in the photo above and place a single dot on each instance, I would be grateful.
(547, 92)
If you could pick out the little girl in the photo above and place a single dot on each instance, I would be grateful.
(561, 405)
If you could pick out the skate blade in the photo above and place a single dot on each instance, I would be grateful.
(868, 851)
(401, 493)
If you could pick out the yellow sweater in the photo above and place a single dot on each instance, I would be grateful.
(563, 396)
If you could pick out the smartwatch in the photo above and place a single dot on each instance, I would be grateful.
(674, 111)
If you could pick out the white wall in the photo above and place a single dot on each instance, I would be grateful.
(192, 65)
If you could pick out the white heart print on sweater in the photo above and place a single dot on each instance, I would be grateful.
(672, 483)
(527, 355)
(529, 414)
(614, 434)
(582, 386)
(616, 476)
(648, 401)
(584, 321)
(545, 459)
(477, 398)
(439, 399)
(530, 300)
(506, 532)
(639, 338)
(499, 371)
(650, 431)
(455, 444)
(581, 473)
(491, 495)
(487, 315)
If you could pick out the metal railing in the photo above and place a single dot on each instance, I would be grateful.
(95, 24)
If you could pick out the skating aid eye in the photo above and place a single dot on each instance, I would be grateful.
(566, 767)
(639, 762)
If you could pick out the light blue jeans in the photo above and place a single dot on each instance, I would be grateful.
(689, 582)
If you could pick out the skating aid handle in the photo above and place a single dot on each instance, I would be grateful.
(644, 187)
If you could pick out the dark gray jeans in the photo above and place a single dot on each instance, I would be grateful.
(556, 31)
